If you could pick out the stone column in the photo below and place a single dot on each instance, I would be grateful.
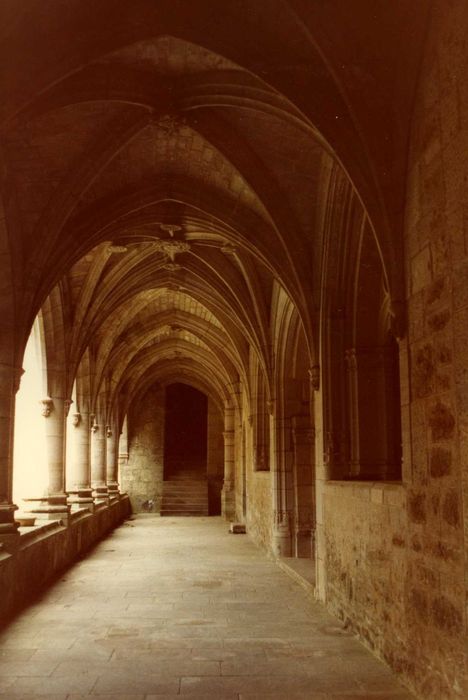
(9, 384)
(228, 507)
(80, 494)
(98, 464)
(123, 449)
(55, 506)
(111, 460)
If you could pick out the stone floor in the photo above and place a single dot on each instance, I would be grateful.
(167, 607)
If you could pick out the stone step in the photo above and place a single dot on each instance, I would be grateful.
(200, 486)
(185, 493)
(170, 487)
(186, 477)
(179, 514)
(184, 507)
(184, 497)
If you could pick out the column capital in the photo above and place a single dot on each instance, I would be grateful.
(76, 419)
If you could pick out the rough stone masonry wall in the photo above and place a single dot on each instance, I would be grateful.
(259, 512)
(418, 623)
(142, 477)
(366, 563)
(437, 282)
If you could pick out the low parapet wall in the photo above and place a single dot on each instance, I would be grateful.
(47, 549)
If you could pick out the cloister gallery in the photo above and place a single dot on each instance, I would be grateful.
(234, 283)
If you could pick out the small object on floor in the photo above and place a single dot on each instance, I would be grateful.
(237, 529)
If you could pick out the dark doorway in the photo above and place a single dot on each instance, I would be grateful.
(185, 433)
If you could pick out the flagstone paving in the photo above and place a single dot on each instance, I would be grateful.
(171, 607)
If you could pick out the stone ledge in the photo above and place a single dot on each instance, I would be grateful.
(29, 535)
(42, 551)
(79, 514)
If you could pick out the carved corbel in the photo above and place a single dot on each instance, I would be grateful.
(314, 376)
(47, 406)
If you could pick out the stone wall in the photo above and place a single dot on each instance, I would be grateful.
(259, 516)
(437, 284)
(259, 511)
(47, 549)
(142, 477)
(366, 563)
(401, 577)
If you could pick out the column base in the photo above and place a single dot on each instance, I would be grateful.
(100, 495)
(228, 502)
(304, 542)
(52, 507)
(78, 500)
(113, 490)
(281, 540)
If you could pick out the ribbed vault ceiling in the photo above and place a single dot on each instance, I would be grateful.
(169, 163)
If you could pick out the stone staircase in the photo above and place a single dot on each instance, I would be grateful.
(185, 495)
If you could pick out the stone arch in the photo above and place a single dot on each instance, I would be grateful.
(360, 329)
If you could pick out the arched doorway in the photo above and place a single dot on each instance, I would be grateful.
(185, 433)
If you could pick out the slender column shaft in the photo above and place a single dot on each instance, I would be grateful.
(54, 412)
(81, 455)
(9, 381)
(351, 369)
(55, 505)
(112, 461)
(80, 491)
(98, 462)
